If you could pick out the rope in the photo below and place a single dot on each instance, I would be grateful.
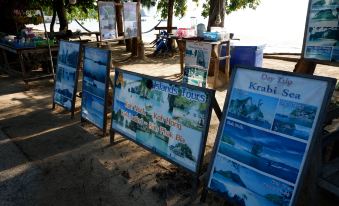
(142, 32)
(81, 25)
(153, 27)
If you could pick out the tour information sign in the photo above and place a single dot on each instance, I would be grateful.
(67, 74)
(107, 20)
(197, 61)
(322, 35)
(264, 138)
(95, 85)
(162, 116)
(130, 20)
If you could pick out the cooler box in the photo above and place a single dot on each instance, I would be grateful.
(246, 55)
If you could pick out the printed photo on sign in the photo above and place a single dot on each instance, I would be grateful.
(93, 109)
(168, 119)
(335, 54)
(324, 4)
(64, 86)
(267, 152)
(323, 36)
(318, 52)
(294, 119)
(107, 20)
(130, 20)
(198, 54)
(324, 18)
(252, 108)
(66, 72)
(68, 54)
(195, 76)
(95, 64)
(243, 186)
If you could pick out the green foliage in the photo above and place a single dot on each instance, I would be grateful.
(232, 5)
(83, 9)
(180, 7)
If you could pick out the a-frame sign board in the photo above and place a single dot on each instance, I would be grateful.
(97, 63)
(167, 118)
(321, 38)
(67, 72)
(267, 135)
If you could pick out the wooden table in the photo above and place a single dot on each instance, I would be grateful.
(20, 52)
(214, 61)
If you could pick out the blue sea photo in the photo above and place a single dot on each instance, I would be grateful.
(64, 85)
(92, 109)
(252, 108)
(294, 119)
(245, 187)
(69, 53)
(95, 64)
(157, 115)
(267, 152)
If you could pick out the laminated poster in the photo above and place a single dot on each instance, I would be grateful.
(66, 74)
(94, 86)
(169, 119)
(107, 20)
(130, 20)
(322, 35)
(197, 60)
(264, 137)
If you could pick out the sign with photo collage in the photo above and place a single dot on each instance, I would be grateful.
(164, 117)
(270, 120)
(67, 75)
(130, 20)
(321, 40)
(197, 61)
(107, 20)
(95, 85)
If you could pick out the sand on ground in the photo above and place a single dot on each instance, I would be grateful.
(47, 158)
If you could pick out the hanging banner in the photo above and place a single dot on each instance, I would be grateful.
(67, 75)
(95, 86)
(107, 20)
(130, 20)
(270, 120)
(321, 41)
(169, 119)
(197, 61)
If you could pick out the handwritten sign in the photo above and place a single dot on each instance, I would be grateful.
(169, 119)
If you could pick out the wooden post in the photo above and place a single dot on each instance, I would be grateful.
(305, 67)
(120, 23)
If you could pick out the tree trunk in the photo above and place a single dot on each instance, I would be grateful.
(51, 26)
(170, 16)
(216, 14)
(60, 10)
(120, 23)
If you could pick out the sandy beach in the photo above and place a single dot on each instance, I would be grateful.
(47, 158)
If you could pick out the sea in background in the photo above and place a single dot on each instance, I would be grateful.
(279, 25)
